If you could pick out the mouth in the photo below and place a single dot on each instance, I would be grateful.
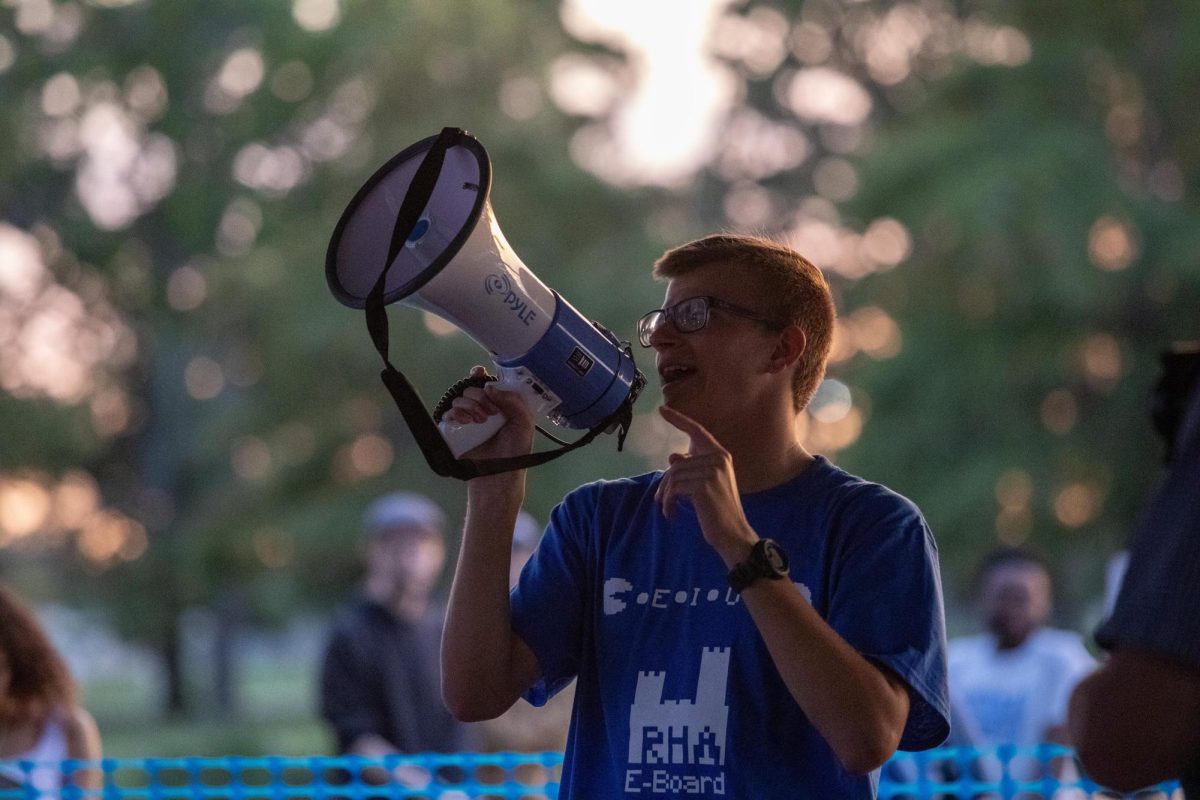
(675, 373)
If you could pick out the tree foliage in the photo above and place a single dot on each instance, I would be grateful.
(1002, 195)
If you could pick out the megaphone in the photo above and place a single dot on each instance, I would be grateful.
(421, 232)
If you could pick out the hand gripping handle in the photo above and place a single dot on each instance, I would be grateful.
(463, 437)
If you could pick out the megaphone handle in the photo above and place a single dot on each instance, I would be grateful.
(467, 436)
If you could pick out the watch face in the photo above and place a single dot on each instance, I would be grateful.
(775, 557)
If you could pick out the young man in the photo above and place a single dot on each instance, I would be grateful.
(379, 676)
(706, 666)
(1010, 685)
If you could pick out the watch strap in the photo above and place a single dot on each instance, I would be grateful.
(757, 565)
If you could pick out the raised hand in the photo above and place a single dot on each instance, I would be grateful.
(704, 475)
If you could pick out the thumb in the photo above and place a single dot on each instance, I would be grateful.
(510, 403)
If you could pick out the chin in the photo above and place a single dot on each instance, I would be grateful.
(677, 402)
(690, 407)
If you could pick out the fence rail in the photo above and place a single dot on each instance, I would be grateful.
(1045, 772)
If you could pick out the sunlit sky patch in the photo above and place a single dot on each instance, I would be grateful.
(664, 125)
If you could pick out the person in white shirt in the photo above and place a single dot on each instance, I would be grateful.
(1011, 684)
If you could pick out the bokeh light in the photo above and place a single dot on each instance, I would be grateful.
(1059, 411)
(52, 342)
(273, 546)
(1077, 504)
(1111, 244)
(821, 94)
(38, 512)
(1014, 494)
(25, 505)
(368, 456)
(187, 288)
(831, 402)
(251, 459)
(316, 15)
(203, 378)
(1102, 361)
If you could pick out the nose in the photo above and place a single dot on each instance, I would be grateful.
(665, 335)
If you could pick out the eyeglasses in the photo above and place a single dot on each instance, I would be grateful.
(691, 315)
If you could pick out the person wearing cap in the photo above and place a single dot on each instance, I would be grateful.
(379, 684)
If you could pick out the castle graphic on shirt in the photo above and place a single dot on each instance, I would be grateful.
(679, 732)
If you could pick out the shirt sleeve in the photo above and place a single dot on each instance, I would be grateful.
(1076, 663)
(1158, 608)
(345, 701)
(548, 602)
(886, 601)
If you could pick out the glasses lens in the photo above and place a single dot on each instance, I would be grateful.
(690, 315)
(648, 324)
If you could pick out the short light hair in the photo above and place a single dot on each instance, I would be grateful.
(794, 289)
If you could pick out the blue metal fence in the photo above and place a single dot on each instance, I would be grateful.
(1046, 772)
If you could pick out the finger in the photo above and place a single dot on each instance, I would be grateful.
(686, 470)
(457, 417)
(673, 480)
(667, 499)
(677, 493)
(702, 440)
(664, 486)
(465, 406)
(695, 461)
(681, 465)
(482, 398)
(681, 487)
(509, 402)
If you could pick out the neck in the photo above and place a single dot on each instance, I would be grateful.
(1011, 642)
(765, 455)
(401, 601)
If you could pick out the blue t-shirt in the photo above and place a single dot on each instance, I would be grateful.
(677, 695)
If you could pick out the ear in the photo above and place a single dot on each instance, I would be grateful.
(789, 348)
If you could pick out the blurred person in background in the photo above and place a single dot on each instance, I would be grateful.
(380, 684)
(1010, 684)
(41, 718)
(1136, 720)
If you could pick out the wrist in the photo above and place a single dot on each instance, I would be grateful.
(736, 548)
(765, 561)
(497, 491)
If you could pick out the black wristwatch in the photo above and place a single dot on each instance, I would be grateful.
(766, 560)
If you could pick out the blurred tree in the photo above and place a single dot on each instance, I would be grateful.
(1001, 194)
(1054, 240)
(173, 177)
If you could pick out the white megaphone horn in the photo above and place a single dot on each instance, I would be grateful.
(421, 232)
